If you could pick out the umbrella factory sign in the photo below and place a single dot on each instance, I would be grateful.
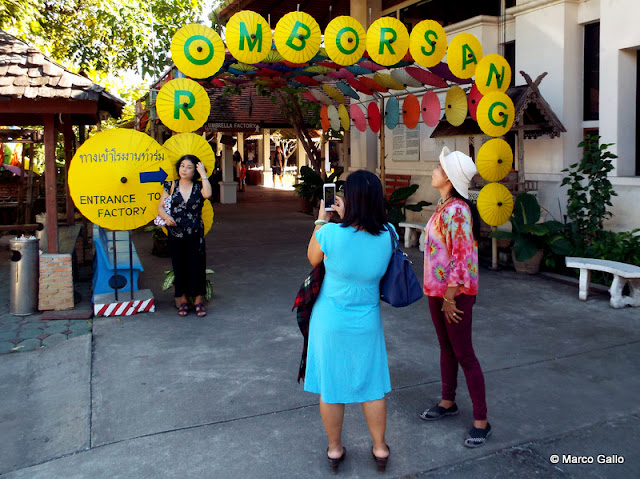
(233, 126)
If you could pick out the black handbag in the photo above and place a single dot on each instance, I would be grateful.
(399, 286)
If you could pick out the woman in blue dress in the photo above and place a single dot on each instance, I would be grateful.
(347, 357)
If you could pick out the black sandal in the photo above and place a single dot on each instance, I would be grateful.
(183, 310)
(200, 311)
(477, 437)
(438, 412)
(381, 462)
(334, 463)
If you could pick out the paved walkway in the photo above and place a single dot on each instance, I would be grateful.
(156, 395)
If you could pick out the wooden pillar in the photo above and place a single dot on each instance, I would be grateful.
(520, 148)
(383, 175)
(68, 155)
(50, 182)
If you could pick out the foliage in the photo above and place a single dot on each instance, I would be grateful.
(310, 183)
(101, 35)
(396, 205)
(157, 231)
(590, 192)
(528, 235)
(170, 277)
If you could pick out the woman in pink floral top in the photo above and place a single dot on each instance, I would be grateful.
(451, 285)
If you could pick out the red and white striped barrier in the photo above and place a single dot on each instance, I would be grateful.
(125, 308)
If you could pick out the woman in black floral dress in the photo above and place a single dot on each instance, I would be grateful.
(186, 231)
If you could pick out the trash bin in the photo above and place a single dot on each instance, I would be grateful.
(25, 276)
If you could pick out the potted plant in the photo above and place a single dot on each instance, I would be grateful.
(160, 241)
(530, 237)
(310, 184)
(170, 277)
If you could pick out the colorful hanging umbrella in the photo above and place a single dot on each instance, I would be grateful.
(391, 113)
(387, 80)
(358, 85)
(305, 80)
(401, 76)
(334, 93)
(463, 55)
(217, 83)
(183, 105)
(495, 204)
(324, 118)
(115, 178)
(347, 90)
(359, 120)
(430, 107)
(428, 43)
(493, 73)
(297, 37)
(426, 77)
(387, 41)
(273, 57)
(322, 97)
(369, 65)
(322, 78)
(241, 69)
(207, 216)
(410, 111)
(344, 117)
(474, 98)
(334, 117)
(318, 69)
(495, 114)
(197, 51)
(307, 94)
(190, 144)
(345, 40)
(494, 160)
(248, 36)
(373, 115)
(455, 105)
(373, 85)
(358, 70)
(341, 74)
(329, 64)
(442, 70)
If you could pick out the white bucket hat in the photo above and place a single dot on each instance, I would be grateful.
(459, 168)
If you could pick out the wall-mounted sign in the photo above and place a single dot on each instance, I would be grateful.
(233, 126)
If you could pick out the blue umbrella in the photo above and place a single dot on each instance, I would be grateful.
(358, 70)
(391, 113)
(347, 90)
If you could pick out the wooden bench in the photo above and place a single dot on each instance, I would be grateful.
(104, 278)
(393, 182)
(411, 230)
(623, 274)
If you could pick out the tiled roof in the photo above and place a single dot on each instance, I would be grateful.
(25, 73)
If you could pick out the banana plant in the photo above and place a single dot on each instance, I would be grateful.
(170, 277)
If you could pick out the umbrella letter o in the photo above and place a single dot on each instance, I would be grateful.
(355, 40)
(177, 105)
(191, 58)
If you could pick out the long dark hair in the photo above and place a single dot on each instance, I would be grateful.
(364, 202)
(475, 216)
(193, 159)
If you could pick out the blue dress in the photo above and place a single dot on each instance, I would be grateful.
(347, 356)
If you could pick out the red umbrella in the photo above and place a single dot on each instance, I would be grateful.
(358, 85)
(329, 64)
(373, 85)
(426, 77)
(359, 120)
(310, 97)
(442, 70)
(218, 83)
(410, 111)
(374, 117)
(342, 74)
(430, 108)
(474, 98)
(305, 80)
(268, 72)
(369, 65)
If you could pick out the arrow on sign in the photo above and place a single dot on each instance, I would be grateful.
(153, 176)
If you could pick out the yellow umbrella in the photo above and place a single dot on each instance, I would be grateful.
(248, 36)
(207, 217)
(465, 51)
(428, 43)
(495, 204)
(493, 73)
(494, 159)
(297, 37)
(183, 105)
(116, 176)
(345, 40)
(495, 114)
(388, 81)
(455, 105)
(197, 51)
(334, 93)
(190, 144)
(319, 69)
(272, 57)
(387, 41)
(345, 121)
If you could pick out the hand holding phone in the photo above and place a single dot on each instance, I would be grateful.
(329, 195)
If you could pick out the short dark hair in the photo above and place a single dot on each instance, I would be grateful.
(193, 159)
(364, 202)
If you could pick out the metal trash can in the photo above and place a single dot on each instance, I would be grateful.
(25, 276)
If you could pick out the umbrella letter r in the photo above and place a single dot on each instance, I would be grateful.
(184, 106)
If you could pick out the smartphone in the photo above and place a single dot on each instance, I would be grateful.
(329, 195)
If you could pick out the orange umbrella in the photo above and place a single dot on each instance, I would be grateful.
(463, 55)
(410, 111)
(324, 118)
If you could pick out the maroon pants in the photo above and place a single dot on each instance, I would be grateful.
(456, 348)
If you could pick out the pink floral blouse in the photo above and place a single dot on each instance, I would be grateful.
(451, 252)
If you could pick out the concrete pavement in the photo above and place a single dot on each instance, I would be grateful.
(156, 395)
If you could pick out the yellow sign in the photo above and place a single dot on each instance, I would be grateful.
(297, 37)
(387, 41)
(495, 114)
(183, 105)
(428, 43)
(197, 51)
(248, 37)
(345, 40)
(116, 177)
(465, 51)
(493, 74)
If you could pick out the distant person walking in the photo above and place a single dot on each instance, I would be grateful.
(186, 232)
(242, 176)
(347, 356)
(277, 165)
(451, 284)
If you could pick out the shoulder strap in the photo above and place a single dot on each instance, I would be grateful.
(173, 186)
(394, 241)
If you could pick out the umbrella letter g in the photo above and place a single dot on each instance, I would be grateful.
(499, 118)
(185, 106)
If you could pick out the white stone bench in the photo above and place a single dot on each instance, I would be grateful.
(411, 230)
(623, 273)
